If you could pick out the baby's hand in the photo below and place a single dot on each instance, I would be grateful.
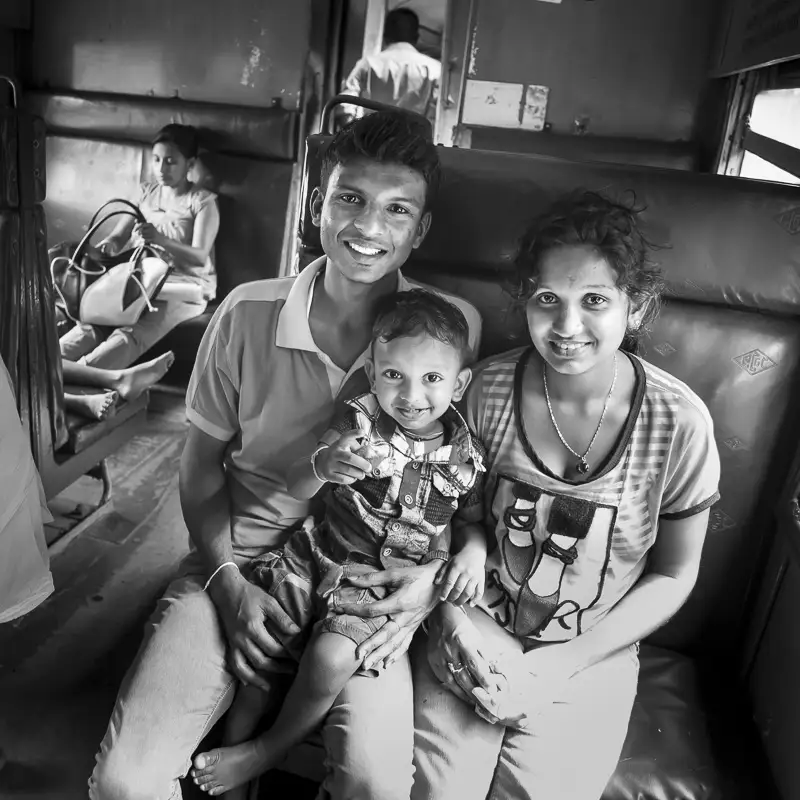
(462, 578)
(339, 463)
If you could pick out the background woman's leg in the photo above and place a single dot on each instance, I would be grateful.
(79, 341)
(124, 345)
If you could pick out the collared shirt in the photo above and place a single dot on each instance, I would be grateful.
(399, 76)
(261, 383)
(409, 498)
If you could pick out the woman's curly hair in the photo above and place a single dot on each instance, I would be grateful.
(612, 228)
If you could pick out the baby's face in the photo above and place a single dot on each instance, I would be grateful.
(415, 378)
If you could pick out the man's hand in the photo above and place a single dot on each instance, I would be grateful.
(243, 608)
(339, 463)
(413, 595)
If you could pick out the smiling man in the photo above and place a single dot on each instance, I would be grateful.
(273, 360)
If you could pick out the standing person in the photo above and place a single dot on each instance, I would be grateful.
(273, 359)
(402, 464)
(601, 470)
(182, 219)
(25, 579)
(399, 75)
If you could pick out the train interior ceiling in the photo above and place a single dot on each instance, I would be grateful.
(695, 106)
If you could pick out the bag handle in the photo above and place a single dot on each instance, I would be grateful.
(134, 208)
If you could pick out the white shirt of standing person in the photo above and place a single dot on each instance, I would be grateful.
(398, 76)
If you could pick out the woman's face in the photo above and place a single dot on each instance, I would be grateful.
(170, 166)
(577, 317)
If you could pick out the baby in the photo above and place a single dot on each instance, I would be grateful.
(403, 464)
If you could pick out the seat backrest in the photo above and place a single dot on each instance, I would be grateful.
(729, 327)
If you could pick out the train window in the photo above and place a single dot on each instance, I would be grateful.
(775, 118)
(762, 135)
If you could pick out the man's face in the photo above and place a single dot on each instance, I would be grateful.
(370, 218)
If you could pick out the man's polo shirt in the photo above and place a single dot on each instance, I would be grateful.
(261, 383)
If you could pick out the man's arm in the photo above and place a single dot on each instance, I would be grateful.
(242, 606)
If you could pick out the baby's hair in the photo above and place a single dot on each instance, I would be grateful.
(387, 137)
(183, 137)
(420, 311)
(609, 226)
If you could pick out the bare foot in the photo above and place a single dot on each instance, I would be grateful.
(94, 406)
(226, 768)
(135, 380)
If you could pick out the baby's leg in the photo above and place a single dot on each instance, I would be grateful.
(249, 707)
(327, 664)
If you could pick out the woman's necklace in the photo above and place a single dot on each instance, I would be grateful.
(583, 465)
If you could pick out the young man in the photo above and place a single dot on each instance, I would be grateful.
(274, 358)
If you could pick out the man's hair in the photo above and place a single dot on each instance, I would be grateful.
(420, 311)
(392, 136)
(401, 25)
(183, 137)
(609, 226)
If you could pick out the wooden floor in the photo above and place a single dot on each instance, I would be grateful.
(61, 665)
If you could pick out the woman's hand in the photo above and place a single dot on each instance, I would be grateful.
(147, 233)
(458, 655)
(413, 595)
(110, 246)
(531, 681)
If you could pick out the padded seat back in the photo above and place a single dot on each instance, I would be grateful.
(728, 329)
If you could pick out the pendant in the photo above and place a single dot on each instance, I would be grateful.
(583, 466)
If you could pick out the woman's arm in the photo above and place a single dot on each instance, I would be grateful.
(206, 226)
(114, 242)
(671, 573)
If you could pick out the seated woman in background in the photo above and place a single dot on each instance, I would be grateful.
(183, 219)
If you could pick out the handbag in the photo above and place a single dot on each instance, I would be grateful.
(94, 288)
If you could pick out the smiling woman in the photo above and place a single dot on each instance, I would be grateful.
(183, 220)
(601, 470)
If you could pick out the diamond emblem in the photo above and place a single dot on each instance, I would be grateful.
(720, 521)
(754, 362)
(790, 220)
(735, 443)
(665, 349)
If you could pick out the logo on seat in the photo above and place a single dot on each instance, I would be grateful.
(754, 362)
(790, 220)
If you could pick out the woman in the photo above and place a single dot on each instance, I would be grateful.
(601, 471)
(183, 219)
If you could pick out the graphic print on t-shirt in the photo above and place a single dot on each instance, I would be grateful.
(553, 549)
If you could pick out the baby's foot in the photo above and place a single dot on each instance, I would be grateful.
(135, 380)
(225, 768)
(93, 406)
